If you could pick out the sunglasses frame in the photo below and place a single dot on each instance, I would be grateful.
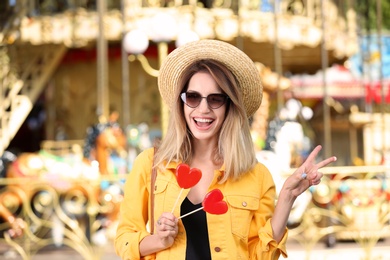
(183, 97)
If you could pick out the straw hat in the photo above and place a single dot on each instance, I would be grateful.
(243, 68)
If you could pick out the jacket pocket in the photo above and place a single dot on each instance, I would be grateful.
(160, 186)
(160, 189)
(242, 209)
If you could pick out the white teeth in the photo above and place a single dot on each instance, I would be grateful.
(203, 120)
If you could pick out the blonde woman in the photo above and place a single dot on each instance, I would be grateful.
(211, 88)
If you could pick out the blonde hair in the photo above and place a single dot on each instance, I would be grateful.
(235, 146)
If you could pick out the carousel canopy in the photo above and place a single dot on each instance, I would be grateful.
(339, 82)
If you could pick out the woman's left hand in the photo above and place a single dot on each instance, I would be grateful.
(307, 174)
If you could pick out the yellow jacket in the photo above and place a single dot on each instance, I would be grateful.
(244, 232)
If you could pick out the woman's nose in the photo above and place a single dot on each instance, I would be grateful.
(204, 106)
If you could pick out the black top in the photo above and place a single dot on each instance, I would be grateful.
(198, 247)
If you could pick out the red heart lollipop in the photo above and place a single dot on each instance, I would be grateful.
(186, 177)
(213, 203)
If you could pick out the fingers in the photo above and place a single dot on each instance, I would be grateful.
(326, 161)
(307, 174)
(316, 178)
(312, 177)
(309, 166)
(312, 156)
(308, 178)
(167, 222)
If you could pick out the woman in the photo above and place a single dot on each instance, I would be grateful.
(211, 88)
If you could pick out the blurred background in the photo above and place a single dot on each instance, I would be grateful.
(79, 100)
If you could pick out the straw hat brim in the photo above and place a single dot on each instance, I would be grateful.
(242, 67)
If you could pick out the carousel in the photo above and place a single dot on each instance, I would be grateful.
(67, 191)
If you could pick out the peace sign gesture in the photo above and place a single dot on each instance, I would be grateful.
(307, 174)
(303, 177)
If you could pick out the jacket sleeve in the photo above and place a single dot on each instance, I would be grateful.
(134, 210)
(264, 246)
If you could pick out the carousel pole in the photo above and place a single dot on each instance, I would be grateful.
(383, 94)
(324, 65)
(278, 58)
(102, 109)
(368, 54)
(125, 72)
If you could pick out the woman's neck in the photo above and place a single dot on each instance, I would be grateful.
(204, 153)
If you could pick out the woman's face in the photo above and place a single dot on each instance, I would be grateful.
(203, 121)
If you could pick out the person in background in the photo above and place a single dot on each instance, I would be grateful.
(211, 88)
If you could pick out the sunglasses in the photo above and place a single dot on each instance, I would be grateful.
(193, 99)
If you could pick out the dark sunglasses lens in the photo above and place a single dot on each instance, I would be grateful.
(193, 99)
(216, 100)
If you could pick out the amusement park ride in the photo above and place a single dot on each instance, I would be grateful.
(57, 196)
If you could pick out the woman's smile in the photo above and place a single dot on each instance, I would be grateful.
(202, 122)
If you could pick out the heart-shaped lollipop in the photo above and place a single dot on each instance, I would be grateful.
(187, 177)
(213, 203)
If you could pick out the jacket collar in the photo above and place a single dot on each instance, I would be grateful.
(173, 165)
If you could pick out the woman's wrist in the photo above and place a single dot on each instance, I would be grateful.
(286, 196)
(151, 244)
(160, 244)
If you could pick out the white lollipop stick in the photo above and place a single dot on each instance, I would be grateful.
(177, 199)
(189, 213)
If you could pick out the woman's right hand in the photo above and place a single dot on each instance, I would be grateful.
(165, 232)
(166, 229)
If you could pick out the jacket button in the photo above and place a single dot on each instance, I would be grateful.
(244, 204)
(217, 249)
